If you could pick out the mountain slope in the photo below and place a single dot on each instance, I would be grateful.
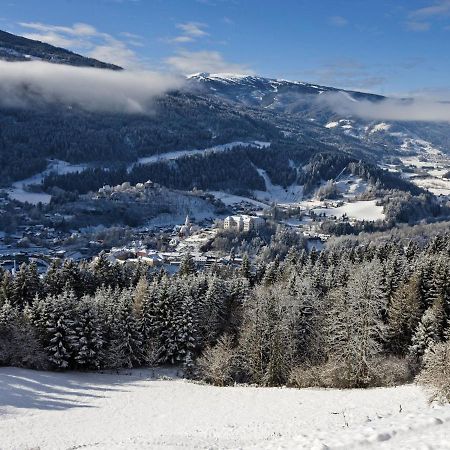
(301, 107)
(18, 48)
(266, 92)
(209, 110)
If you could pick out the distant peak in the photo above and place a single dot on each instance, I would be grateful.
(220, 76)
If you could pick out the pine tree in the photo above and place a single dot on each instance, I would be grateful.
(213, 311)
(106, 273)
(88, 336)
(6, 289)
(147, 320)
(26, 285)
(187, 333)
(127, 345)
(70, 277)
(245, 267)
(52, 280)
(139, 296)
(187, 266)
(171, 337)
(267, 338)
(8, 315)
(404, 314)
(355, 329)
(429, 331)
(60, 331)
(271, 274)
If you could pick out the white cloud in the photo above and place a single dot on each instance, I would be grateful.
(347, 73)
(191, 31)
(338, 21)
(86, 38)
(414, 25)
(419, 19)
(204, 61)
(25, 84)
(437, 9)
(182, 39)
(54, 39)
(78, 29)
(389, 109)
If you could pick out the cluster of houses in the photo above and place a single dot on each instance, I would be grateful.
(169, 261)
(127, 192)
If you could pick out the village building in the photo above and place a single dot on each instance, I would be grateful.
(243, 223)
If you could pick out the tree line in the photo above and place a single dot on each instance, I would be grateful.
(351, 316)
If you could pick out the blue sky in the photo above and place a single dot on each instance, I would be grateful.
(385, 46)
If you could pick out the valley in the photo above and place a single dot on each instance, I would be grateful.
(193, 255)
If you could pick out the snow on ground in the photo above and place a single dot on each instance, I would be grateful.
(360, 210)
(421, 147)
(180, 153)
(437, 186)
(278, 194)
(429, 171)
(350, 186)
(19, 192)
(137, 410)
(194, 243)
(230, 199)
(380, 127)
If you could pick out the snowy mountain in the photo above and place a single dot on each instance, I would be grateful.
(303, 107)
(267, 92)
(209, 111)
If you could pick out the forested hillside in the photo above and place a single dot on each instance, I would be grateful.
(18, 48)
(180, 121)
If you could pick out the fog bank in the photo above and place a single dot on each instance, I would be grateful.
(25, 84)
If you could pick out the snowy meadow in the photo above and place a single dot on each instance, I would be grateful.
(155, 409)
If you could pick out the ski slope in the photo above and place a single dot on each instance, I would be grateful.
(169, 156)
(137, 410)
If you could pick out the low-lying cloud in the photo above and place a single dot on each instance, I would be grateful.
(420, 110)
(26, 84)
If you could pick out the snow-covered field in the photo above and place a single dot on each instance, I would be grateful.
(19, 190)
(229, 199)
(137, 410)
(429, 172)
(359, 210)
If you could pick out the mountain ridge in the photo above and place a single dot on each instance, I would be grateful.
(210, 110)
(18, 48)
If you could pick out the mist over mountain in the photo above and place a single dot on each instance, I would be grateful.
(80, 110)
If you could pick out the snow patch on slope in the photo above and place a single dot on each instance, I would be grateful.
(19, 189)
(181, 153)
(278, 194)
(379, 127)
(360, 210)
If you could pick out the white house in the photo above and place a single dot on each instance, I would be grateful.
(243, 223)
